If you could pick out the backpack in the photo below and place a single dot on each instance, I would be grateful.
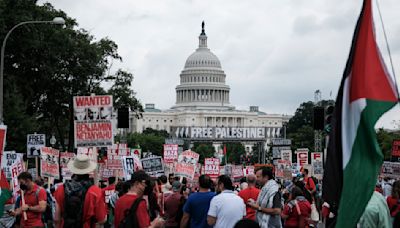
(74, 198)
(48, 214)
(130, 220)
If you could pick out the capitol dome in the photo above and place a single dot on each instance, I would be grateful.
(202, 81)
(202, 57)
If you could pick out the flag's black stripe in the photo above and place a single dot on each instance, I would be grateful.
(333, 173)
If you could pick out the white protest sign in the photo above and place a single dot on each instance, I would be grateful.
(93, 122)
(9, 158)
(34, 142)
(128, 166)
(49, 166)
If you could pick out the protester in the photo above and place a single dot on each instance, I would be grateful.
(393, 201)
(172, 204)
(73, 210)
(47, 216)
(297, 211)
(376, 214)
(107, 193)
(226, 208)
(268, 204)
(35, 202)
(124, 212)
(309, 182)
(197, 205)
(251, 192)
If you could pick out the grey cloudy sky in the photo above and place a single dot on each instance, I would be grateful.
(275, 53)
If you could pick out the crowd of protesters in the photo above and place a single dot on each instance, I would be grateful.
(259, 200)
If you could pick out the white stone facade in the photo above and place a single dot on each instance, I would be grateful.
(202, 100)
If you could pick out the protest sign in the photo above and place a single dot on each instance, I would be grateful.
(137, 152)
(248, 170)
(93, 122)
(128, 166)
(185, 170)
(286, 155)
(391, 170)
(8, 159)
(65, 157)
(188, 157)
(91, 152)
(316, 163)
(153, 166)
(3, 132)
(395, 151)
(115, 155)
(221, 170)
(34, 142)
(169, 168)
(302, 157)
(49, 162)
(211, 167)
(170, 153)
(283, 165)
(237, 173)
(17, 168)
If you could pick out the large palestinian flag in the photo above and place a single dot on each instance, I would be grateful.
(354, 157)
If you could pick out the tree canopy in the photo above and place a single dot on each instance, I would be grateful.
(46, 65)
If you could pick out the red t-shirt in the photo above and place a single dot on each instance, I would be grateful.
(246, 194)
(124, 204)
(309, 183)
(171, 205)
(32, 199)
(293, 219)
(107, 192)
(393, 205)
(94, 205)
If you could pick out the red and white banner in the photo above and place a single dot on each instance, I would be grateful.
(93, 122)
(3, 133)
(49, 162)
(185, 170)
(316, 163)
(170, 153)
(248, 170)
(302, 157)
(17, 168)
(115, 155)
(8, 159)
(65, 157)
(211, 167)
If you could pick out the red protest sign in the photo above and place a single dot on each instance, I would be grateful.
(211, 167)
(93, 123)
(49, 162)
(170, 153)
(302, 157)
(115, 154)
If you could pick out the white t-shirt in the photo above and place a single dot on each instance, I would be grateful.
(228, 208)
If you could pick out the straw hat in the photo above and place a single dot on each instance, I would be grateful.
(81, 165)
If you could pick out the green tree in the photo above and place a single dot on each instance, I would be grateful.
(385, 140)
(300, 127)
(47, 65)
(204, 149)
(233, 152)
(123, 95)
(149, 141)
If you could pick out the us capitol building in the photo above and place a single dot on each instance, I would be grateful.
(203, 111)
